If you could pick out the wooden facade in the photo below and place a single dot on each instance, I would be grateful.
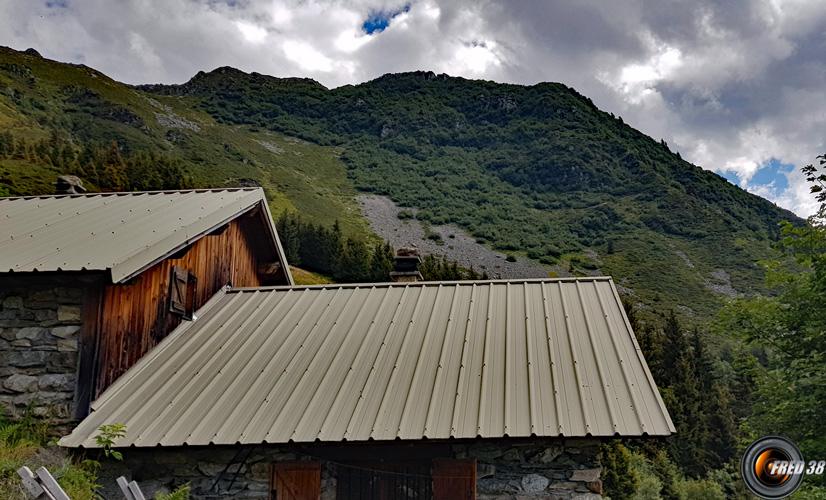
(133, 317)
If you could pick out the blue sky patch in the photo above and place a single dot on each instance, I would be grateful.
(770, 180)
(378, 21)
(773, 173)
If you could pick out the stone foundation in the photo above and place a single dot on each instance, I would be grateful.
(39, 335)
(506, 469)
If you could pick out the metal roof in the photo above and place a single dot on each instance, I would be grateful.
(121, 232)
(390, 361)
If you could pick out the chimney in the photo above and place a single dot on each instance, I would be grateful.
(69, 184)
(406, 266)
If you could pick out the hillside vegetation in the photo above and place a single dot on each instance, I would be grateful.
(44, 102)
(537, 171)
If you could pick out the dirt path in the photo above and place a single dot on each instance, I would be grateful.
(456, 244)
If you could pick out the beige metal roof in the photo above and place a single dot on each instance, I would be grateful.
(120, 232)
(388, 361)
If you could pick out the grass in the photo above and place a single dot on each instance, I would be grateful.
(303, 277)
(296, 175)
(29, 441)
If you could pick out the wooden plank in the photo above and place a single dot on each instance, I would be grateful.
(30, 481)
(136, 491)
(123, 484)
(454, 479)
(296, 481)
(50, 485)
(89, 348)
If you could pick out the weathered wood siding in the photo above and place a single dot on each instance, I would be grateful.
(135, 316)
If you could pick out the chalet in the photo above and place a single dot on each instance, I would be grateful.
(245, 385)
(89, 283)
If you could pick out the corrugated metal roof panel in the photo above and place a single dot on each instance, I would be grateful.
(120, 232)
(390, 361)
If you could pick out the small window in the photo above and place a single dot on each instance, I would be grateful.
(182, 287)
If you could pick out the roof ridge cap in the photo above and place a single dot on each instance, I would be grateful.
(129, 193)
(333, 286)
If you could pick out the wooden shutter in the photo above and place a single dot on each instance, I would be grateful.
(296, 481)
(454, 479)
(177, 290)
(182, 286)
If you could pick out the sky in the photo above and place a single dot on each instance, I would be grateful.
(735, 86)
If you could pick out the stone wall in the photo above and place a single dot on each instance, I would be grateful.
(39, 329)
(506, 469)
(553, 469)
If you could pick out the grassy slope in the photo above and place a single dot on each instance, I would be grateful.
(304, 277)
(536, 170)
(37, 95)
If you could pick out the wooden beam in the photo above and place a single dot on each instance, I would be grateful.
(88, 349)
(269, 268)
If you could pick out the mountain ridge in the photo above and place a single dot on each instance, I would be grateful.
(537, 171)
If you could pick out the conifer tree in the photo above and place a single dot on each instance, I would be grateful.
(682, 398)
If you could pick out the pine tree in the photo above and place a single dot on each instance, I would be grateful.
(682, 398)
(355, 262)
(720, 426)
(288, 232)
(114, 175)
(381, 262)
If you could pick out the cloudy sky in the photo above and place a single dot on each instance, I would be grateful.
(736, 86)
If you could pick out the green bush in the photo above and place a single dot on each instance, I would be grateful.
(649, 485)
(79, 480)
(619, 478)
(180, 493)
(706, 489)
(24, 441)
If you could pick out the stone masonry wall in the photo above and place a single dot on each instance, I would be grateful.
(549, 469)
(554, 469)
(39, 327)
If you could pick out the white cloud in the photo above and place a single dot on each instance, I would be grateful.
(306, 56)
(472, 59)
(730, 85)
(638, 81)
(251, 33)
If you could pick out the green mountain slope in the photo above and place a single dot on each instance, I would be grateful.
(39, 97)
(535, 170)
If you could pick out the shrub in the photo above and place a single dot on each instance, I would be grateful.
(700, 488)
(619, 479)
(106, 439)
(79, 480)
(22, 442)
(180, 493)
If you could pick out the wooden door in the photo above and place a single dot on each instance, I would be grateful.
(296, 481)
(454, 479)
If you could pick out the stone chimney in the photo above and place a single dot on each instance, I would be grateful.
(69, 184)
(406, 266)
